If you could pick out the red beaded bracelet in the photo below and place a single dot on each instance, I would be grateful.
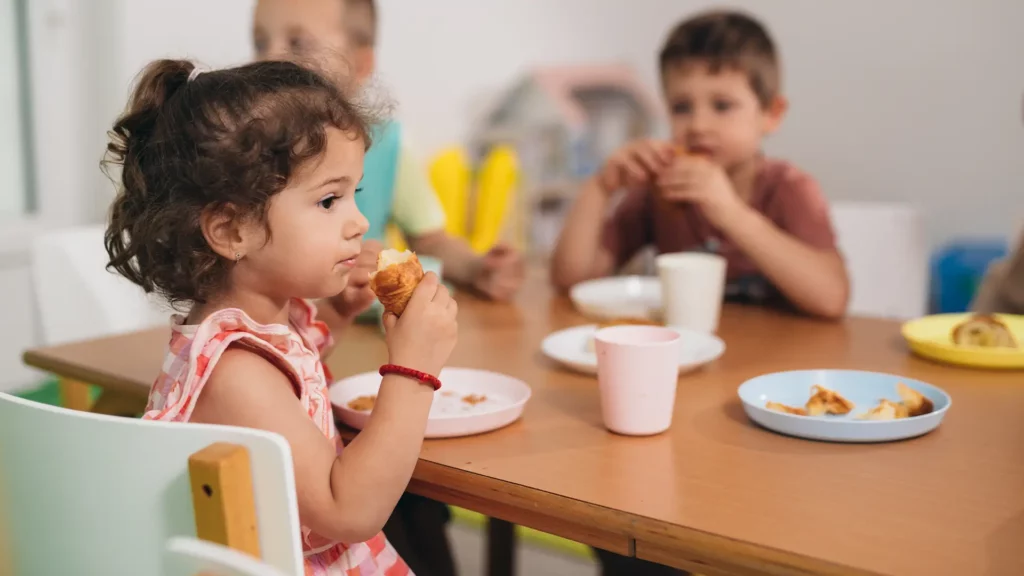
(410, 373)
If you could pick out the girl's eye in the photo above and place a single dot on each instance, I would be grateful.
(327, 201)
(359, 189)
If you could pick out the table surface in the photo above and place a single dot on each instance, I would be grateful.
(715, 493)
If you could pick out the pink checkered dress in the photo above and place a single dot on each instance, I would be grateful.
(295, 349)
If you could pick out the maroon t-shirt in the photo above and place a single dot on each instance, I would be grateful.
(791, 199)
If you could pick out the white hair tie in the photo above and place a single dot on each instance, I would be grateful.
(194, 73)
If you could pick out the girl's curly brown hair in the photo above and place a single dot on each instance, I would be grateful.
(189, 143)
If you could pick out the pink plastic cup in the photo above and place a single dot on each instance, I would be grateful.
(637, 369)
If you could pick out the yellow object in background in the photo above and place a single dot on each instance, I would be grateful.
(495, 185)
(393, 238)
(450, 176)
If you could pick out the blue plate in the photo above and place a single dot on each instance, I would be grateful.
(864, 389)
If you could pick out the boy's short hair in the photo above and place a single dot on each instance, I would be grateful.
(726, 39)
(361, 22)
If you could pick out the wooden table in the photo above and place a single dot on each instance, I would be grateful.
(715, 494)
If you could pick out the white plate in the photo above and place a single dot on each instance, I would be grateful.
(618, 297)
(449, 416)
(573, 348)
(864, 389)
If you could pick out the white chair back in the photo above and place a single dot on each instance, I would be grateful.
(887, 258)
(77, 297)
(191, 557)
(91, 494)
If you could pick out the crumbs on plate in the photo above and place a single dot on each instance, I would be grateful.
(828, 402)
(474, 399)
(363, 403)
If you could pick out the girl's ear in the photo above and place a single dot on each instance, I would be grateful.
(226, 231)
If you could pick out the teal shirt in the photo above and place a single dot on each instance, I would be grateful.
(380, 167)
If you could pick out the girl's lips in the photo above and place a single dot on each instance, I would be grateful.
(350, 262)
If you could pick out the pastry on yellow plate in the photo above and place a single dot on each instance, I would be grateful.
(824, 401)
(397, 275)
(984, 331)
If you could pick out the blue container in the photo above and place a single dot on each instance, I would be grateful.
(957, 270)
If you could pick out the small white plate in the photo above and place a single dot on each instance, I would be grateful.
(450, 415)
(573, 347)
(864, 389)
(618, 297)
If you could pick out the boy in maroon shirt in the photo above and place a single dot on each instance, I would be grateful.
(710, 188)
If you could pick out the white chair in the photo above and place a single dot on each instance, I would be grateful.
(191, 557)
(886, 255)
(79, 299)
(83, 493)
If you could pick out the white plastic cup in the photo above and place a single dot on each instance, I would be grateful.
(692, 288)
(637, 371)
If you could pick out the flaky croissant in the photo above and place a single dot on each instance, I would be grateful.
(397, 275)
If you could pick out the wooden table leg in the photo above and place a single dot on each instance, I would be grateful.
(114, 404)
(74, 395)
(501, 548)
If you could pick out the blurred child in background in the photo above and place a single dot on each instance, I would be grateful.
(710, 188)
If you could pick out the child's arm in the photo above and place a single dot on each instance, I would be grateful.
(419, 215)
(349, 496)
(497, 274)
(579, 254)
(812, 278)
(1002, 288)
(590, 245)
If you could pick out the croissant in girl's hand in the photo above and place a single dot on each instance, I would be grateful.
(397, 275)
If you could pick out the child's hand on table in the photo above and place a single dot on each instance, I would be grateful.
(636, 165)
(702, 182)
(499, 273)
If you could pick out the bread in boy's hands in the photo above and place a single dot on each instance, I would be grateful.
(397, 275)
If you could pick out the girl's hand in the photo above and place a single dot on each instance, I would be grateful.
(423, 338)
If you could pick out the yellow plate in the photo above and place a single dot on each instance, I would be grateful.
(932, 337)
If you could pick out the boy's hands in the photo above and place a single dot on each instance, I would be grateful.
(636, 165)
(675, 177)
(499, 273)
(702, 182)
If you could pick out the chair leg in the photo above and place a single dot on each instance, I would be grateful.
(501, 548)
(74, 395)
(222, 497)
